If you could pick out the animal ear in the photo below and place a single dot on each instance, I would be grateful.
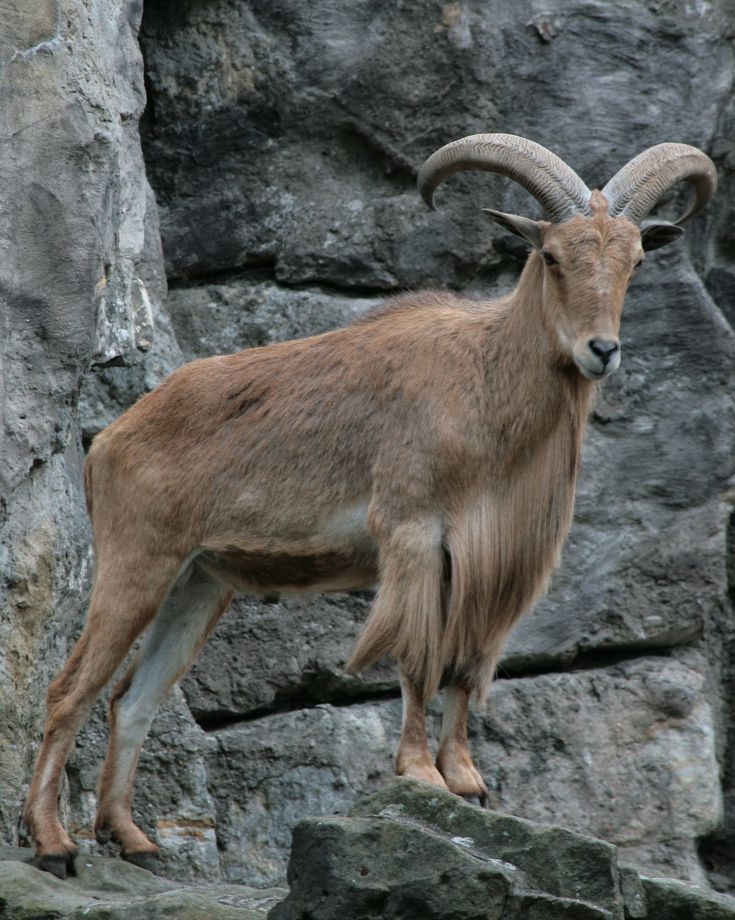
(657, 233)
(529, 230)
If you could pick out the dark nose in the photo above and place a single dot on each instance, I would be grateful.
(603, 348)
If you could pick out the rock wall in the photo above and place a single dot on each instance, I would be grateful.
(282, 141)
(73, 291)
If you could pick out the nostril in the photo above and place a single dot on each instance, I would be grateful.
(603, 348)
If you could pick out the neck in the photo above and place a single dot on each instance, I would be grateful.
(526, 326)
(525, 363)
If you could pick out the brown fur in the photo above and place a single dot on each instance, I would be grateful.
(432, 446)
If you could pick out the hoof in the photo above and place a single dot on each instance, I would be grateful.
(60, 866)
(145, 859)
(479, 800)
(102, 836)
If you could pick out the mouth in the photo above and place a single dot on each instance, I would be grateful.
(593, 368)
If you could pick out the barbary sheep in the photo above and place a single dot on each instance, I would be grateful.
(432, 446)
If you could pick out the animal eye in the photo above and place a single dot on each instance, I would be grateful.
(548, 257)
(638, 264)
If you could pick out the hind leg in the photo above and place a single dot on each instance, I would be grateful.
(123, 602)
(190, 611)
(453, 759)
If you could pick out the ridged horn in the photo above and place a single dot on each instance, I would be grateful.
(636, 189)
(556, 186)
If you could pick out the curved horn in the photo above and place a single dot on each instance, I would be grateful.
(556, 186)
(635, 189)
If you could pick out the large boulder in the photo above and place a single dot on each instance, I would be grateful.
(414, 852)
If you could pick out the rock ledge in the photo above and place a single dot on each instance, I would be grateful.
(409, 852)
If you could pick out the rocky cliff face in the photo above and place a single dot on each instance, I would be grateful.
(282, 142)
(76, 287)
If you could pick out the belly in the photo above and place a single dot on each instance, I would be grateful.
(340, 555)
(289, 573)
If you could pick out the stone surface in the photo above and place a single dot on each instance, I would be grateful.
(283, 654)
(626, 753)
(675, 901)
(72, 214)
(271, 772)
(284, 103)
(420, 874)
(218, 318)
(106, 889)
(550, 859)
(309, 124)
(414, 852)
(408, 851)
(108, 389)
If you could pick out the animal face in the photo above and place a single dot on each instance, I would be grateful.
(588, 263)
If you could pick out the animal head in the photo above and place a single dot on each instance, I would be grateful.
(593, 242)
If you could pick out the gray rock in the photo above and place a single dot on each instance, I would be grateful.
(281, 104)
(626, 753)
(219, 318)
(270, 773)
(44, 562)
(412, 851)
(72, 209)
(264, 657)
(346, 868)
(72, 224)
(106, 889)
(675, 901)
(108, 390)
(549, 859)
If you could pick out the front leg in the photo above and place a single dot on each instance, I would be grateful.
(453, 759)
(414, 759)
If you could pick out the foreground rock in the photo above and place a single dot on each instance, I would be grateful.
(411, 851)
(112, 889)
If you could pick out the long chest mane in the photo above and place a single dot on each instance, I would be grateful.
(507, 539)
